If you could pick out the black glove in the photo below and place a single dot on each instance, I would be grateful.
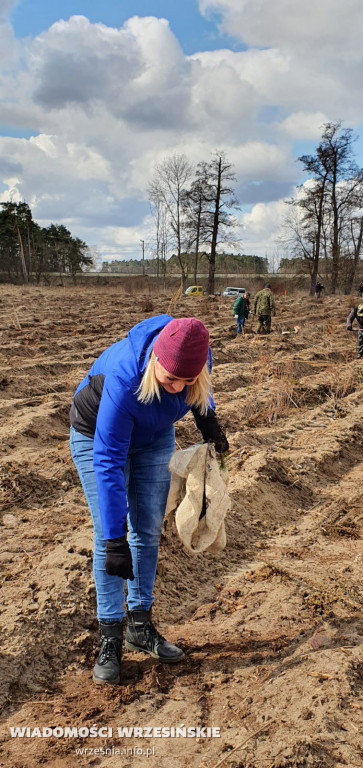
(210, 429)
(118, 558)
(349, 328)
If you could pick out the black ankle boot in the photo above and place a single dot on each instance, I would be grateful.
(107, 667)
(141, 635)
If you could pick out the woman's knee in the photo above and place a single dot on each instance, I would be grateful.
(145, 537)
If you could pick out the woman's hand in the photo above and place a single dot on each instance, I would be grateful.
(118, 558)
(211, 431)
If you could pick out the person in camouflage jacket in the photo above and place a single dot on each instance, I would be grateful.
(264, 307)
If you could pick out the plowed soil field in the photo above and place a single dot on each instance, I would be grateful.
(271, 627)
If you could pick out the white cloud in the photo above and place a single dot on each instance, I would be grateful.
(106, 104)
(125, 242)
(79, 63)
(6, 6)
(320, 41)
(262, 226)
(304, 125)
(9, 48)
(256, 161)
(258, 69)
(292, 24)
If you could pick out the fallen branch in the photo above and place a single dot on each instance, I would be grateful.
(239, 746)
(320, 675)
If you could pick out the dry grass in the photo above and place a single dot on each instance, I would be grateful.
(174, 300)
(281, 400)
(275, 400)
(343, 383)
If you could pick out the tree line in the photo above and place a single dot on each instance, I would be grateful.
(325, 219)
(225, 263)
(30, 252)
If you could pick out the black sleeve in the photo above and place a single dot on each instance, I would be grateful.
(84, 409)
(210, 429)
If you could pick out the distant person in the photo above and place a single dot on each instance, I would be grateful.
(360, 290)
(122, 438)
(357, 314)
(239, 311)
(264, 308)
(318, 289)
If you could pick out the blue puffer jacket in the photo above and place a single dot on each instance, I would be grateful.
(123, 422)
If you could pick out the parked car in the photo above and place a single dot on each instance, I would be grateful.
(234, 292)
(194, 290)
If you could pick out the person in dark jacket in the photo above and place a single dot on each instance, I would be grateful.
(357, 314)
(122, 438)
(360, 290)
(318, 289)
(239, 312)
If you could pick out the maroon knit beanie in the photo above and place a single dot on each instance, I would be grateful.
(182, 347)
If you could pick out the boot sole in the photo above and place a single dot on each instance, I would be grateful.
(131, 647)
(98, 681)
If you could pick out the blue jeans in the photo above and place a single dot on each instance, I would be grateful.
(240, 323)
(147, 480)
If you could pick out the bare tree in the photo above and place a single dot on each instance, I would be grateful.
(304, 226)
(160, 215)
(320, 224)
(195, 204)
(351, 232)
(216, 178)
(273, 259)
(168, 183)
(338, 175)
(357, 240)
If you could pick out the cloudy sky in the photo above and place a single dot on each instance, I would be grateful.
(95, 92)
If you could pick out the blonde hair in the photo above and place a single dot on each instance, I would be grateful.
(197, 393)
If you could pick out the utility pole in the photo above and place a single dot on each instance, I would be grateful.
(143, 255)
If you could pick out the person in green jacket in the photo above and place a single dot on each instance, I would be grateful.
(239, 311)
(264, 307)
